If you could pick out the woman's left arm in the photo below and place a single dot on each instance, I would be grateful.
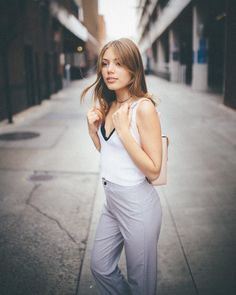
(148, 156)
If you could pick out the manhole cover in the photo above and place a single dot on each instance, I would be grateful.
(18, 135)
(40, 177)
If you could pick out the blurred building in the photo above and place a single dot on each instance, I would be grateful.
(42, 44)
(96, 28)
(191, 42)
(88, 17)
(102, 36)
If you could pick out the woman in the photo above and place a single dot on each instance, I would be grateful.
(125, 128)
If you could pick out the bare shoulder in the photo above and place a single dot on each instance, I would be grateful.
(146, 108)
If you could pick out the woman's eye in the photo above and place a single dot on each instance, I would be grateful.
(104, 64)
(118, 64)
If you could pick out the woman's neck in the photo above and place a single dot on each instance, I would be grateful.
(124, 100)
(123, 96)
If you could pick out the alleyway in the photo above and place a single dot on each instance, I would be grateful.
(51, 197)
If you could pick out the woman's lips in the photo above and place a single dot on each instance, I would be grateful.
(111, 80)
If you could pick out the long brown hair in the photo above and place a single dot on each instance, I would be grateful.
(130, 57)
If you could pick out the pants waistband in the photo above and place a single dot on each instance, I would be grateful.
(109, 183)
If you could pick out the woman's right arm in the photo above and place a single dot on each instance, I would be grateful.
(94, 120)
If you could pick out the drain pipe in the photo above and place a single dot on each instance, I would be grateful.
(7, 84)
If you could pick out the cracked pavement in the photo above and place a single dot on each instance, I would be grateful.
(47, 190)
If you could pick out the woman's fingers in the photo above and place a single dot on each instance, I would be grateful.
(99, 113)
(121, 118)
(123, 111)
(93, 117)
(126, 106)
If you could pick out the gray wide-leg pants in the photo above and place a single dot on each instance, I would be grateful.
(131, 217)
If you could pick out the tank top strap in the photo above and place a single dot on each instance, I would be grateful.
(133, 125)
(134, 108)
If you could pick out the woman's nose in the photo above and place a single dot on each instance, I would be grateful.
(110, 67)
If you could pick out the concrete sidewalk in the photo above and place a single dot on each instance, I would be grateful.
(51, 197)
(47, 188)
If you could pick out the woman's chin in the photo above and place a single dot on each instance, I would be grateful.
(112, 87)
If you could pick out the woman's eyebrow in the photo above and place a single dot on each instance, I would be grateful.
(115, 59)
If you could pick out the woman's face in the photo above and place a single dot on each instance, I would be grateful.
(115, 75)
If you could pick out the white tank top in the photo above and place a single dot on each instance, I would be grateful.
(116, 164)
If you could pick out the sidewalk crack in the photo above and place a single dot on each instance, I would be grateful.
(28, 202)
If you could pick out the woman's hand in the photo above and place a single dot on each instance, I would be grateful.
(94, 117)
(121, 118)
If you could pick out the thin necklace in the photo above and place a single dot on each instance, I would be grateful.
(124, 100)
